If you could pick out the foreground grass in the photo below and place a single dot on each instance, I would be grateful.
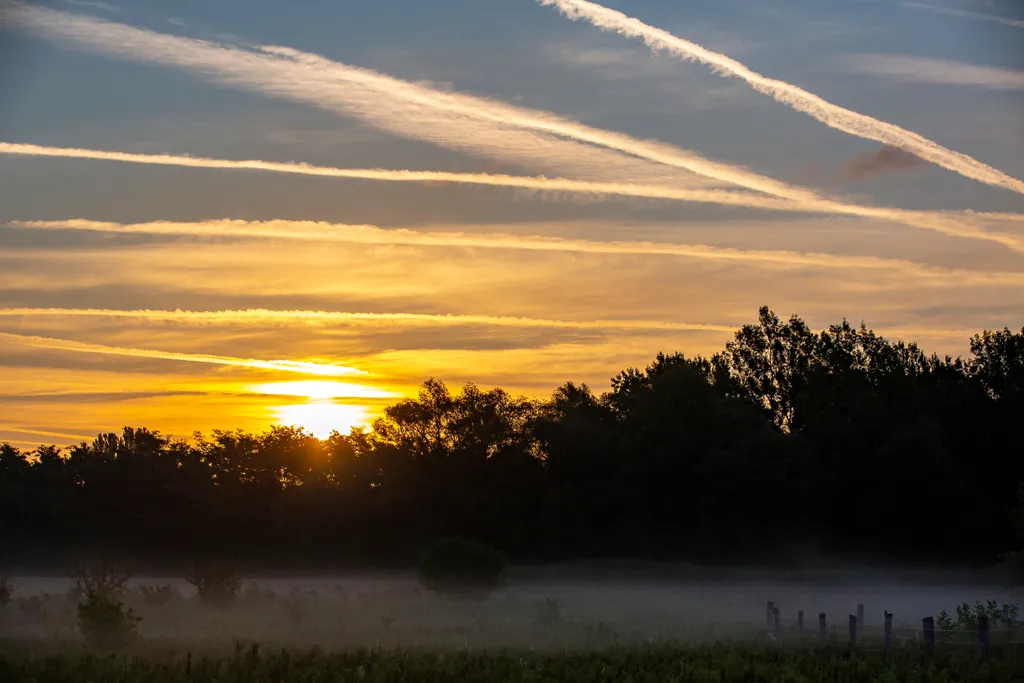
(718, 664)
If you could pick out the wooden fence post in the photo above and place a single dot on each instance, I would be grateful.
(769, 614)
(853, 630)
(822, 628)
(860, 620)
(983, 635)
(776, 622)
(888, 631)
(800, 622)
(928, 626)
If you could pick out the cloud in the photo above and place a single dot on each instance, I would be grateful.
(939, 71)
(262, 316)
(458, 121)
(965, 14)
(539, 183)
(471, 124)
(465, 123)
(94, 4)
(57, 435)
(368, 234)
(884, 160)
(830, 114)
(304, 367)
(955, 224)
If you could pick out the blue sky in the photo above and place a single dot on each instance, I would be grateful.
(954, 77)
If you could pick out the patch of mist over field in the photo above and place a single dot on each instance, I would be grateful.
(534, 609)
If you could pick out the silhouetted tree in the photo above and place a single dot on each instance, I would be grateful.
(841, 441)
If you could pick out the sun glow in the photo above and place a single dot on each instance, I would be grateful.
(321, 389)
(321, 418)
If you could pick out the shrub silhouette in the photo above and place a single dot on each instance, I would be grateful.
(459, 566)
(216, 583)
(102, 579)
(158, 595)
(105, 623)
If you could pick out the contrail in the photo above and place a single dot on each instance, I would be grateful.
(263, 316)
(542, 183)
(58, 435)
(474, 125)
(965, 14)
(370, 234)
(961, 224)
(259, 316)
(304, 367)
(830, 114)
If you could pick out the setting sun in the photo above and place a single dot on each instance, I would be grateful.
(321, 418)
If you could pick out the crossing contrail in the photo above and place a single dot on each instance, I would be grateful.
(957, 224)
(831, 115)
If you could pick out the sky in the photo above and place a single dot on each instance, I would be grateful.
(220, 214)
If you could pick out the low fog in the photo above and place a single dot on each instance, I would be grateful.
(532, 609)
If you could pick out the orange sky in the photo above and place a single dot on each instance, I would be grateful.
(202, 229)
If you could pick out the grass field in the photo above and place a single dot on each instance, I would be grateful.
(350, 631)
(653, 664)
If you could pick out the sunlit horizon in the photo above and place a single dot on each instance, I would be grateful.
(200, 234)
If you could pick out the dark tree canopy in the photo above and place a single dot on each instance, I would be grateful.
(788, 443)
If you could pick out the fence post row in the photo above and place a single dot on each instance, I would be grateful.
(888, 630)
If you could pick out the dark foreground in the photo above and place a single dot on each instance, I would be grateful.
(719, 663)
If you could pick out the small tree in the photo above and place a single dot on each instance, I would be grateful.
(216, 583)
(458, 566)
(103, 579)
(105, 623)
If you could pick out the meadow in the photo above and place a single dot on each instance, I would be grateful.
(392, 629)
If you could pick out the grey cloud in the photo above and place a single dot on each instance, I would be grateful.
(887, 159)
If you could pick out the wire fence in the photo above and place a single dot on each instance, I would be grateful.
(984, 636)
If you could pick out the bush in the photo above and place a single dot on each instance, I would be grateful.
(968, 616)
(6, 591)
(216, 583)
(459, 566)
(549, 612)
(158, 595)
(105, 623)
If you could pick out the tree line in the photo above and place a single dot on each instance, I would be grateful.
(789, 443)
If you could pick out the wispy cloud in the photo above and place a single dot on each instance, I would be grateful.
(39, 432)
(469, 124)
(260, 316)
(368, 234)
(965, 14)
(830, 114)
(940, 71)
(304, 367)
(539, 183)
(95, 4)
(969, 225)
(454, 120)
(885, 160)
